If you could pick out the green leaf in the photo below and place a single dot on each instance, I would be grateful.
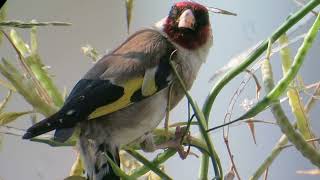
(283, 84)
(33, 23)
(295, 102)
(34, 40)
(149, 164)
(35, 63)
(117, 169)
(18, 42)
(7, 85)
(34, 67)
(24, 86)
(5, 101)
(7, 117)
(3, 15)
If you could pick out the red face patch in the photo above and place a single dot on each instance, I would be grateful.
(188, 38)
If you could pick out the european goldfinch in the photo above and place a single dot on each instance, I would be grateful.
(125, 94)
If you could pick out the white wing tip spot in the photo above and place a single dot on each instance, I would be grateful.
(60, 120)
(70, 112)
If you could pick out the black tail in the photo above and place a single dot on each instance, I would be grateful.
(43, 126)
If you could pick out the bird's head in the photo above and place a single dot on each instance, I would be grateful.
(188, 25)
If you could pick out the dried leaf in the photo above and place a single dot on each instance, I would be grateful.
(91, 52)
(252, 129)
(8, 117)
(77, 168)
(129, 5)
(5, 101)
(230, 175)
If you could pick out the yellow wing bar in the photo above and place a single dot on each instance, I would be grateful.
(130, 87)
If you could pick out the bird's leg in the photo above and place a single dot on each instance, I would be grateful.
(148, 145)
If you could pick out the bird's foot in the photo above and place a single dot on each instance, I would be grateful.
(176, 143)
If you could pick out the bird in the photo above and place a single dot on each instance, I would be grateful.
(124, 95)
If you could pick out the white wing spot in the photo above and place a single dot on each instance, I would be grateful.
(48, 124)
(70, 112)
(60, 120)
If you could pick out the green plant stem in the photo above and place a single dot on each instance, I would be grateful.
(268, 161)
(283, 84)
(161, 158)
(202, 126)
(295, 101)
(207, 107)
(292, 20)
(148, 164)
(295, 138)
(117, 169)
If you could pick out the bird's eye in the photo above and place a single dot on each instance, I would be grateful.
(173, 12)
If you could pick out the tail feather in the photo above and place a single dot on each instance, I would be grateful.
(94, 156)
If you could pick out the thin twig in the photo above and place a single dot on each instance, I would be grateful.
(311, 102)
(226, 141)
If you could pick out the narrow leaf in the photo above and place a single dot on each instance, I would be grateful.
(19, 43)
(295, 102)
(129, 5)
(21, 24)
(8, 117)
(24, 86)
(117, 169)
(149, 164)
(5, 101)
(34, 40)
(252, 130)
(7, 85)
(46, 82)
(3, 15)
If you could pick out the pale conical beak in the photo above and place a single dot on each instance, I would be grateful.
(187, 20)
